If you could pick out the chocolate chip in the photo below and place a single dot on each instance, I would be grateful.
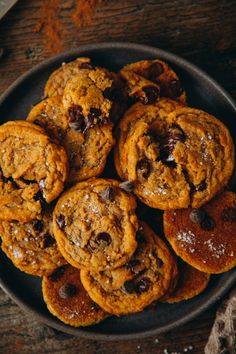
(75, 113)
(132, 264)
(61, 221)
(174, 135)
(39, 196)
(143, 285)
(174, 89)
(38, 225)
(86, 66)
(42, 184)
(208, 224)
(48, 241)
(129, 287)
(58, 273)
(151, 94)
(103, 239)
(155, 70)
(144, 167)
(197, 216)
(127, 186)
(95, 113)
(108, 194)
(66, 291)
(229, 214)
(201, 186)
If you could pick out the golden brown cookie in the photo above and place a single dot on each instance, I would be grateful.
(204, 238)
(191, 283)
(135, 285)
(67, 299)
(174, 160)
(87, 152)
(95, 225)
(156, 73)
(57, 80)
(31, 246)
(32, 168)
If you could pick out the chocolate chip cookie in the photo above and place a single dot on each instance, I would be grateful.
(174, 160)
(31, 246)
(87, 151)
(135, 285)
(191, 283)
(204, 238)
(57, 80)
(146, 78)
(33, 168)
(95, 225)
(67, 299)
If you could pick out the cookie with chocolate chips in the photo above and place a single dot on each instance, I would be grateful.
(31, 246)
(95, 225)
(56, 82)
(33, 169)
(149, 79)
(207, 241)
(67, 299)
(175, 156)
(135, 285)
(191, 282)
(87, 151)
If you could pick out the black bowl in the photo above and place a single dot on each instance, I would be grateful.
(202, 92)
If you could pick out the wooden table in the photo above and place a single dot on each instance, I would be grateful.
(203, 32)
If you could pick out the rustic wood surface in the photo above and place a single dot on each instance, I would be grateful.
(203, 32)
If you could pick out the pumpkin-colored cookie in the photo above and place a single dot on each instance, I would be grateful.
(135, 285)
(145, 76)
(174, 160)
(32, 168)
(31, 246)
(204, 238)
(67, 299)
(95, 225)
(191, 283)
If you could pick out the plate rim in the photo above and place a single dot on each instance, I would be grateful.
(190, 67)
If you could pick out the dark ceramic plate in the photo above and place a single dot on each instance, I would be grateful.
(202, 92)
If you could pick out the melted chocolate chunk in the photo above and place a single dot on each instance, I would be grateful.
(61, 221)
(144, 167)
(95, 113)
(75, 113)
(151, 95)
(201, 186)
(39, 197)
(127, 186)
(103, 239)
(108, 194)
(132, 264)
(66, 291)
(197, 215)
(155, 70)
(129, 286)
(38, 225)
(207, 224)
(48, 241)
(174, 135)
(143, 285)
(58, 273)
(229, 214)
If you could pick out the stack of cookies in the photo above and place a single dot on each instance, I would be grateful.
(83, 234)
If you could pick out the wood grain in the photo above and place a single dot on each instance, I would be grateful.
(203, 32)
